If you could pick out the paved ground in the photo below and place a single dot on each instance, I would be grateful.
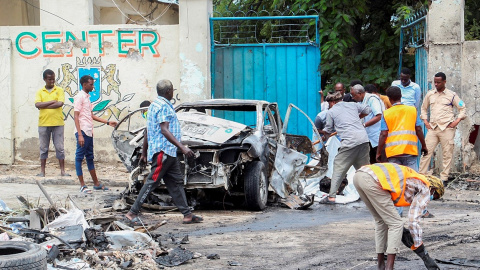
(323, 237)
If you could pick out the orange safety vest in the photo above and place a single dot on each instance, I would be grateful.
(393, 177)
(402, 138)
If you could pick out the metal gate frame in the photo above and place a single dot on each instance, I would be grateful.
(264, 45)
(270, 90)
(413, 34)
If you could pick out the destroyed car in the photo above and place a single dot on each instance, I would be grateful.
(246, 158)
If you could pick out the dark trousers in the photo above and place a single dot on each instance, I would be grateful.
(168, 168)
(84, 152)
(373, 154)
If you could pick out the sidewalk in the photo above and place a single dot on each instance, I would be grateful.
(112, 175)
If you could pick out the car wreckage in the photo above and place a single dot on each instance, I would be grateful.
(252, 158)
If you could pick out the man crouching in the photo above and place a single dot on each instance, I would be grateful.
(381, 183)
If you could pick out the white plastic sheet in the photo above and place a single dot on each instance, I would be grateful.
(74, 216)
(350, 194)
(122, 239)
(4, 207)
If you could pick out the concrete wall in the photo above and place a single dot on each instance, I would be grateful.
(126, 59)
(126, 63)
(19, 12)
(6, 132)
(86, 12)
(77, 12)
(195, 49)
(460, 61)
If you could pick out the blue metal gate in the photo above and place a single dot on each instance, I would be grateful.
(413, 36)
(275, 70)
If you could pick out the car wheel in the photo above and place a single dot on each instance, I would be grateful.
(256, 186)
(22, 255)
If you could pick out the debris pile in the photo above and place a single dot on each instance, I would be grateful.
(72, 238)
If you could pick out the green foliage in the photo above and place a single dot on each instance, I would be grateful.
(359, 39)
(472, 20)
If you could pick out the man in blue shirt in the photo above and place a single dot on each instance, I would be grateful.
(411, 92)
(164, 136)
(371, 122)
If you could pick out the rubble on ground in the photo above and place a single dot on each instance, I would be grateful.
(75, 238)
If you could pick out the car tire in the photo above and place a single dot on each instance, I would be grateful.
(256, 186)
(22, 256)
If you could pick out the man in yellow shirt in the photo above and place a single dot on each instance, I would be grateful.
(49, 101)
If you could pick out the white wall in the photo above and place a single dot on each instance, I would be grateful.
(6, 132)
(448, 52)
(127, 72)
(132, 78)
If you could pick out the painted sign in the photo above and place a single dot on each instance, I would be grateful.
(61, 44)
(106, 97)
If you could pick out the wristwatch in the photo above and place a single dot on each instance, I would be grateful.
(108, 123)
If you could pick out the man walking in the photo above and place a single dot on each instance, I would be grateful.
(411, 92)
(49, 101)
(399, 132)
(84, 133)
(380, 184)
(164, 137)
(442, 124)
(344, 117)
(372, 120)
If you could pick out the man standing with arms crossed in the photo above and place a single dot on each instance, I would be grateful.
(49, 101)
(442, 124)
(164, 135)
(84, 132)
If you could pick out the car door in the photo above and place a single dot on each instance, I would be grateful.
(291, 159)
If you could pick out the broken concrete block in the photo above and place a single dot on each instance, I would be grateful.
(213, 256)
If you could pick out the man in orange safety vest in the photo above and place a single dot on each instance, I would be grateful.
(382, 186)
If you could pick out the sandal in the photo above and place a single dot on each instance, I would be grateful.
(101, 187)
(134, 222)
(325, 200)
(195, 219)
(85, 190)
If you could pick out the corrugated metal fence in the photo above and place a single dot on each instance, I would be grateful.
(277, 72)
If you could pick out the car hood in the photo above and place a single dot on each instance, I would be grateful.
(202, 129)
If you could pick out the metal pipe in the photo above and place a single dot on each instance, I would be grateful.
(263, 18)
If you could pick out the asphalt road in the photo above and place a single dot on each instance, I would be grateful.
(323, 237)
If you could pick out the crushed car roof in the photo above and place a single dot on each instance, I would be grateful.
(230, 103)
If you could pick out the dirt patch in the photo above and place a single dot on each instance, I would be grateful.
(25, 172)
(29, 150)
(465, 181)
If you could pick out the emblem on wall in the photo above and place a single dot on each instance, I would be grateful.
(106, 97)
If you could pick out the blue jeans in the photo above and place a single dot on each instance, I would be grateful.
(84, 152)
(408, 161)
